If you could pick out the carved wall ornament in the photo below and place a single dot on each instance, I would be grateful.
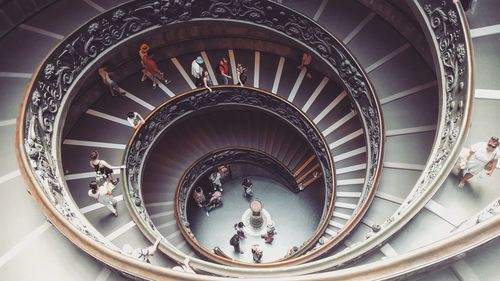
(449, 37)
(83, 48)
(180, 107)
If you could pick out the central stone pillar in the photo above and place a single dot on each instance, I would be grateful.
(256, 218)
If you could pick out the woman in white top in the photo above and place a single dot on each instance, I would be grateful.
(104, 195)
(135, 119)
(482, 157)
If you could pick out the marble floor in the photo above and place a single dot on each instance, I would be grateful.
(295, 216)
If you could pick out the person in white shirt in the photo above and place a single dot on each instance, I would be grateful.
(141, 254)
(135, 119)
(215, 178)
(481, 158)
(197, 70)
(104, 195)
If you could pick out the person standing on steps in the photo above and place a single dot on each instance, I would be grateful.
(112, 85)
(135, 119)
(197, 71)
(235, 242)
(215, 179)
(141, 254)
(151, 69)
(206, 81)
(224, 71)
(104, 195)
(305, 62)
(103, 170)
(199, 196)
(240, 73)
(482, 158)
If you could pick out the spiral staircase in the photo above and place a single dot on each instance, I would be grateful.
(398, 226)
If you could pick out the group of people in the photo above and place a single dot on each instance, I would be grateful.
(215, 196)
(200, 75)
(240, 235)
(202, 79)
(257, 252)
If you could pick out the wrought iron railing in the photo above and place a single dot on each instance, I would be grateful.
(446, 29)
(50, 93)
(206, 164)
(181, 106)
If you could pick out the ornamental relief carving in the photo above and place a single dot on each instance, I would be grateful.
(449, 37)
(83, 47)
(201, 99)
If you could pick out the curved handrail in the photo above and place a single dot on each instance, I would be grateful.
(205, 164)
(39, 126)
(181, 106)
(447, 31)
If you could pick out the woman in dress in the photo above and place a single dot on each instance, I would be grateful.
(482, 157)
(151, 69)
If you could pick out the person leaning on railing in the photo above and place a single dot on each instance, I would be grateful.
(481, 158)
(135, 119)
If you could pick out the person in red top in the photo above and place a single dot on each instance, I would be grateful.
(151, 69)
(224, 71)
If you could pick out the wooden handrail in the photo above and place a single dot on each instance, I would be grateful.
(311, 180)
(304, 176)
(301, 168)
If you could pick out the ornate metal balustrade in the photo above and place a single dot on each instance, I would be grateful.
(447, 32)
(203, 166)
(181, 106)
(46, 102)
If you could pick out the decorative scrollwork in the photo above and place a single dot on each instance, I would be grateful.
(223, 157)
(59, 72)
(180, 107)
(449, 38)
(83, 48)
(329, 48)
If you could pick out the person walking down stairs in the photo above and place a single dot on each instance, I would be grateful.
(104, 195)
